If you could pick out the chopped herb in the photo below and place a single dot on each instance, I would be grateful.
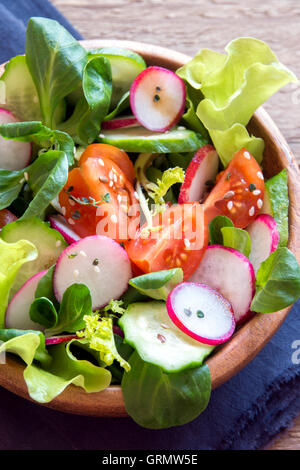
(72, 255)
(228, 176)
(156, 98)
(252, 187)
(90, 201)
(70, 189)
(188, 312)
(200, 314)
(106, 197)
(76, 215)
(96, 262)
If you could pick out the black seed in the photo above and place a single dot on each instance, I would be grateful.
(158, 88)
(252, 187)
(156, 98)
(188, 312)
(76, 215)
(70, 189)
(96, 262)
(200, 314)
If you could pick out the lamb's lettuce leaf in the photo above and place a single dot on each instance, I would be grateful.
(277, 282)
(158, 400)
(215, 226)
(237, 239)
(13, 256)
(26, 346)
(159, 284)
(234, 85)
(55, 60)
(85, 123)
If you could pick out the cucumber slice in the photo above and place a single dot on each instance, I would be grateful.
(21, 97)
(149, 329)
(138, 139)
(276, 204)
(49, 243)
(125, 66)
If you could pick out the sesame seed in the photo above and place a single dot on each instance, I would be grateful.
(247, 155)
(71, 221)
(96, 269)
(100, 161)
(243, 181)
(111, 183)
(187, 243)
(26, 176)
(256, 192)
(259, 203)
(111, 174)
(103, 179)
(119, 198)
(101, 136)
(58, 243)
(83, 253)
(251, 211)
(115, 177)
(63, 211)
(136, 195)
(114, 218)
(163, 325)
(260, 175)
(75, 273)
(229, 194)
(229, 205)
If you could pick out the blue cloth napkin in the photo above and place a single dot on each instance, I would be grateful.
(245, 413)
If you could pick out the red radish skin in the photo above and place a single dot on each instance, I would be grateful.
(230, 273)
(118, 123)
(117, 330)
(17, 313)
(59, 223)
(14, 155)
(264, 239)
(216, 310)
(202, 169)
(59, 339)
(98, 262)
(157, 98)
(6, 217)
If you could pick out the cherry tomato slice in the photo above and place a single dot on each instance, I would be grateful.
(239, 192)
(118, 156)
(180, 241)
(99, 199)
(6, 217)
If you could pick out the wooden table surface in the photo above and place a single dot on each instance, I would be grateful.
(187, 26)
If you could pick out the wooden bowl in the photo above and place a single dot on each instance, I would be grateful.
(251, 337)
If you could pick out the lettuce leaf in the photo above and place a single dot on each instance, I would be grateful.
(234, 85)
(13, 256)
(50, 378)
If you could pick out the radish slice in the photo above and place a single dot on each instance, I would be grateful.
(17, 313)
(264, 238)
(59, 223)
(230, 273)
(13, 155)
(201, 312)
(202, 169)
(118, 123)
(157, 98)
(98, 262)
(59, 339)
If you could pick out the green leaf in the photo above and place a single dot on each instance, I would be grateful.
(157, 400)
(277, 282)
(35, 131)
(13, 256)
(55, 60)
(42, 311)
(45, 286)
(40, 352)
(75, 304)
(190, 117)
(85, 123)
(234, 85)
(237, 238)
(125, 351)
(159, 284)
(47, 176)
(11, 183)
(276, 203)
(121, 106)
(215, 227)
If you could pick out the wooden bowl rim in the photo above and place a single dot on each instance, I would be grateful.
(252, 336)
